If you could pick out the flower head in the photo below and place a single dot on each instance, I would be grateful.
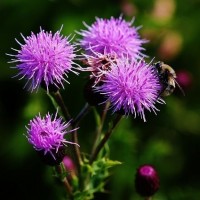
(47, 134)
(99, 64)
(112, 36)
(131, 87)
(147, 180)
(45, 58)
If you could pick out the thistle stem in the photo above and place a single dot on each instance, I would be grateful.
(75, 122)
(57, 97)
(65, 182)
(59, 101)
(81, 114)
(105, 139)
(100, 126)
(77, 150)
(68, 188)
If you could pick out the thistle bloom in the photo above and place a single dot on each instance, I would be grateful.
(47, 134)
(131, 87)
(108, 36)
(45, 58)
(147, 180)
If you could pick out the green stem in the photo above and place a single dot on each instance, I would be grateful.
(81, 114)
(65, 181)
(59, 101)
(100, 126)
(57, 98)
(75, 123)
(105, 139)
(77, 149)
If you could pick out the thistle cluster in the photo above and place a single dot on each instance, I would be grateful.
(118, 72)
(112, 53)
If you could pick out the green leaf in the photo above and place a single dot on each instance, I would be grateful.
(95, 176)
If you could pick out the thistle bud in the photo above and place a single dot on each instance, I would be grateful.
(69, 166)
(184, 78)
(146, 180)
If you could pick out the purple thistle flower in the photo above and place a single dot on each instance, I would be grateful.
(131, 87)
(45, 58)
(147, 180)
(47, 134)
(108, 36)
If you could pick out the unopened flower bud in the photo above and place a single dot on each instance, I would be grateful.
(68, 163)
(70, 166)
(146, 180)
(184, 78)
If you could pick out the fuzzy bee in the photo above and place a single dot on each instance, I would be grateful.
(167, 78)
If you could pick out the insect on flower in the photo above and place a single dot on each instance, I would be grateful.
(167, 78)
(132, 87)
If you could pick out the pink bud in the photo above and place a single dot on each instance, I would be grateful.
(184, 78)
(146, 180)
(68, 163)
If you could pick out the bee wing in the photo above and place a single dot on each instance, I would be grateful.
(181, 89)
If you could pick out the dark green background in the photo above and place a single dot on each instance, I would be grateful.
(170, 140)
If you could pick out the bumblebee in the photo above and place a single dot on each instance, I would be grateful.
(167, 78)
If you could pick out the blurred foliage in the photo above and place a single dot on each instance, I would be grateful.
(170, 140)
